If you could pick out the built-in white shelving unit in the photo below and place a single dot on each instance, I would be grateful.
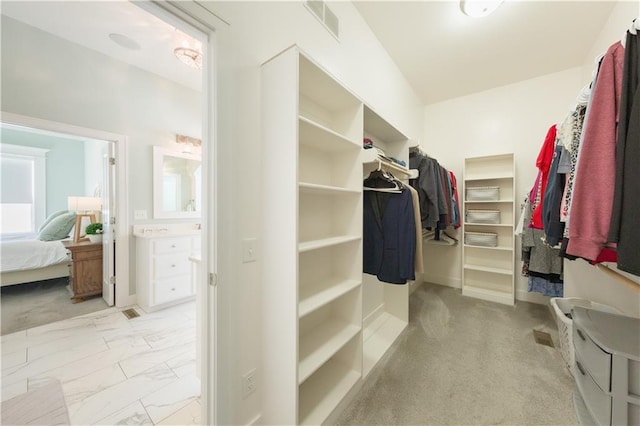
(312, 134)
(324, 328)
(488, 272)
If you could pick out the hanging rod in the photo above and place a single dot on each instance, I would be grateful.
(373, 158)
(619, 277)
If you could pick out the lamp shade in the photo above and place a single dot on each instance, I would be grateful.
(84, 203)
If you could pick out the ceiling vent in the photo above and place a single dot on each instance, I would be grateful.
(325, 15)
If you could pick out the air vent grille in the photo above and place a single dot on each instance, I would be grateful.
(325, 15)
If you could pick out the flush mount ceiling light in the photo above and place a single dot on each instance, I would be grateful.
(479, 8)
(188, 56)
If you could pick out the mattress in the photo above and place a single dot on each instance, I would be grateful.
(25, 254)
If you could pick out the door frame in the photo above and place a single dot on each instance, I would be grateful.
(195, 19)
(121, 236)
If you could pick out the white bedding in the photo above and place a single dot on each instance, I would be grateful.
(25, 254)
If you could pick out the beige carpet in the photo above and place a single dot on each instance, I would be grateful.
(32, 304)
(43, 406)
(463, 361)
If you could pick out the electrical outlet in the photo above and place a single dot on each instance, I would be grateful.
(249, 383)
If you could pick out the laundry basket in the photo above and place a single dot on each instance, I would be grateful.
(561, 307)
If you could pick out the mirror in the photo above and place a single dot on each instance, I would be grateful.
(177, 179)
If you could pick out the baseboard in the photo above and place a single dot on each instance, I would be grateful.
(443, 280)
(526, 296)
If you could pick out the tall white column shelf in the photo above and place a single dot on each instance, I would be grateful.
(312, 186)
(489, 272)
(385, 306)
(316, 349)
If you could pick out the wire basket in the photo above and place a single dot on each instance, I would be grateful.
(561, 307)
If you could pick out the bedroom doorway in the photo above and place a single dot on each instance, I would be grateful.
(80, 162)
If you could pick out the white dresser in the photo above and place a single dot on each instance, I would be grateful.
(163, 269)
(607, 368)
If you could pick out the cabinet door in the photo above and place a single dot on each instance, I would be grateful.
(172, 289)
(88, 276)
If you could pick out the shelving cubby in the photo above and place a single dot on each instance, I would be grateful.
(385, 306)
(489, 272)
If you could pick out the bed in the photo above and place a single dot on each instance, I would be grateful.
(24, 258)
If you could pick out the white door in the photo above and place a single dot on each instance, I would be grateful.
(108, 223)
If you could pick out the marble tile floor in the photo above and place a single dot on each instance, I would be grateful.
(113, 370)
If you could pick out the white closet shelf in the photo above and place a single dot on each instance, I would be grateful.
(378, 336)
(505, 225)
(489, 202)
(320, 137)
(318, 346)
(313, 188)
(371, 156)
(499, 248)
(326, 242)
(486, 294)
(323, 391)
(488, 177)
(502, 271)
(334, 290)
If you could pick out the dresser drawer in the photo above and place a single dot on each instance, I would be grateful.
(598, 403)
(596, 361)
(170, 265)
(171, 245)
(172, 289)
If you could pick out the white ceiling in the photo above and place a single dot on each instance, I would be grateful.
(89, 24)
(445, 54)
(442, 53)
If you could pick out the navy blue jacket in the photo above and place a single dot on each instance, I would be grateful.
(389, 236)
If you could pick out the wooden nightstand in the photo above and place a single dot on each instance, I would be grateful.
(85, 278)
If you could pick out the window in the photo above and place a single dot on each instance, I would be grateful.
(22, 182)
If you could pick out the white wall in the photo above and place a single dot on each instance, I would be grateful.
(258, 31)
(515, 118)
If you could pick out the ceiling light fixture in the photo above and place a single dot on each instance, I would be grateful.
(479, 8)
(188, 56)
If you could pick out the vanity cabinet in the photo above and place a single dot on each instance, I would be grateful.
(164, 272)
(607, 368)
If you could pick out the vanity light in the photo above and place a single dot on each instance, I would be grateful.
(188, 143)
(479, 8)
(188, 56)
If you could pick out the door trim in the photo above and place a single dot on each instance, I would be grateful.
(123, 298)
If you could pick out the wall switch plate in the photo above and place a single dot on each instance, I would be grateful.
(249, 383)
(139, 214)
(249, 247)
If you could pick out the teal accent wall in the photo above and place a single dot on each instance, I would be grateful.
(65, 164)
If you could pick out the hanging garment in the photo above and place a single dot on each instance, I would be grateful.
(428, 188)
(389, 238)
(579, 115)
(456, 201)
(553, 227)
(625, 218)
(592, 198)
(543, 162)
(416, 215)
(545, 287)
